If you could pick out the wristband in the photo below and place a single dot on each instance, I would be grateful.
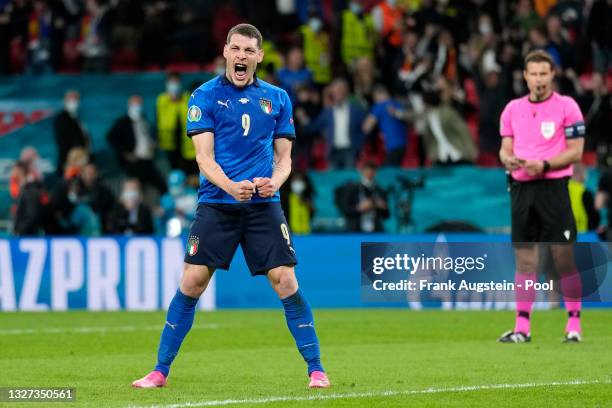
(546, 166)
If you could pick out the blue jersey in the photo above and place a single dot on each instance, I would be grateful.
(245, 122)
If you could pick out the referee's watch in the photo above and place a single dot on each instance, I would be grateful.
(546, 166)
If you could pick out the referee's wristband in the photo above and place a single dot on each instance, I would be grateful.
(546, 166)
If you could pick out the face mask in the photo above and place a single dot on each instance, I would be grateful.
(367, 183)
(298, 186)
(391, 3)
(484, 28)
(72, 106)
(175, 190)
(134, 111)
(130, 196)
(72, 197)
(173, 88)
(355, 8)
(315, 24)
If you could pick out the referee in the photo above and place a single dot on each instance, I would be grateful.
(542, 136)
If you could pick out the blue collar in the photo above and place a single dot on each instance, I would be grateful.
(225, 81)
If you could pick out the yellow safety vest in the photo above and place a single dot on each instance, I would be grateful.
(271, 56)
(316, 54)
(576, 191)
(299, 215)
(169, 113)
(358, 37)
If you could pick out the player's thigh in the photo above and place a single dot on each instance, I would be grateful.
(554, 209)
(214, 236)
(525, 227)
(266, 241)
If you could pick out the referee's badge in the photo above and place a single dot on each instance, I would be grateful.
(266, 105)
(547, 129)
(194, 114)
(192, 245)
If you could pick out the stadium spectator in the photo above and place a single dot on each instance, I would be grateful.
(364, 204)
(603, 200)
(131, 215)
(70, 212)
(358, 36)
(46, 27)
(294, 74)
(599, 32)
(178, 205)
(297, 200)
(340, 121)
(5, 36)
(317, 50)
(96, 32)
(171, 113)
(69, 132)
(492, 98)
(364, 78)
(133, 142)
(447, 139)
(598, 108)
(582, 200)
(525, 16)
(306, 108)
(393, 130)
(30, 202)
(97, 196)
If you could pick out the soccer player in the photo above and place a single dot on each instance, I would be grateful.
(242, 129)
(542, 135)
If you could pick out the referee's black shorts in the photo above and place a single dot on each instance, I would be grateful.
(542, 211)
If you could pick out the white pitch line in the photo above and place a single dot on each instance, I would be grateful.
(99, 329)
(373, 394)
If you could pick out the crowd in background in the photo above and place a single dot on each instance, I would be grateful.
(400, 83)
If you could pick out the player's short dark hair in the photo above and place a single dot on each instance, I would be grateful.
(539, 56)
(247, 30)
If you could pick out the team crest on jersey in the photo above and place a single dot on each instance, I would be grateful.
(192, 245)
(194, 114)
(547, 129)
(266, 105)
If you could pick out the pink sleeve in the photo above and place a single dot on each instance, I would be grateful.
(505, 122)
(573, 115)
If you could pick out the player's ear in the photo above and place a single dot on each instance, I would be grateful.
(225, 51)
(260, 55)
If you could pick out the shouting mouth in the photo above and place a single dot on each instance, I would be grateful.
(240, 72)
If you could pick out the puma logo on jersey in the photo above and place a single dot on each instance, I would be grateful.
(226, 103)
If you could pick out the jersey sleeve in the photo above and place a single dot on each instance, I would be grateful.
(284, 123)
(573, 121)
(377, 111)
(505, 122)
(199, 114)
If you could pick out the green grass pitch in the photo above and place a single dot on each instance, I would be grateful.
(375, 358)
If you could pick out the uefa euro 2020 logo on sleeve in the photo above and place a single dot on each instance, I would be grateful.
(192, 245)
(194, 114)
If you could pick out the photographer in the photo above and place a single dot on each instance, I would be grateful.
(364, 204)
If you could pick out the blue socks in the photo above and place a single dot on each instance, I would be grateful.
(178, 322)
(301, 325)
